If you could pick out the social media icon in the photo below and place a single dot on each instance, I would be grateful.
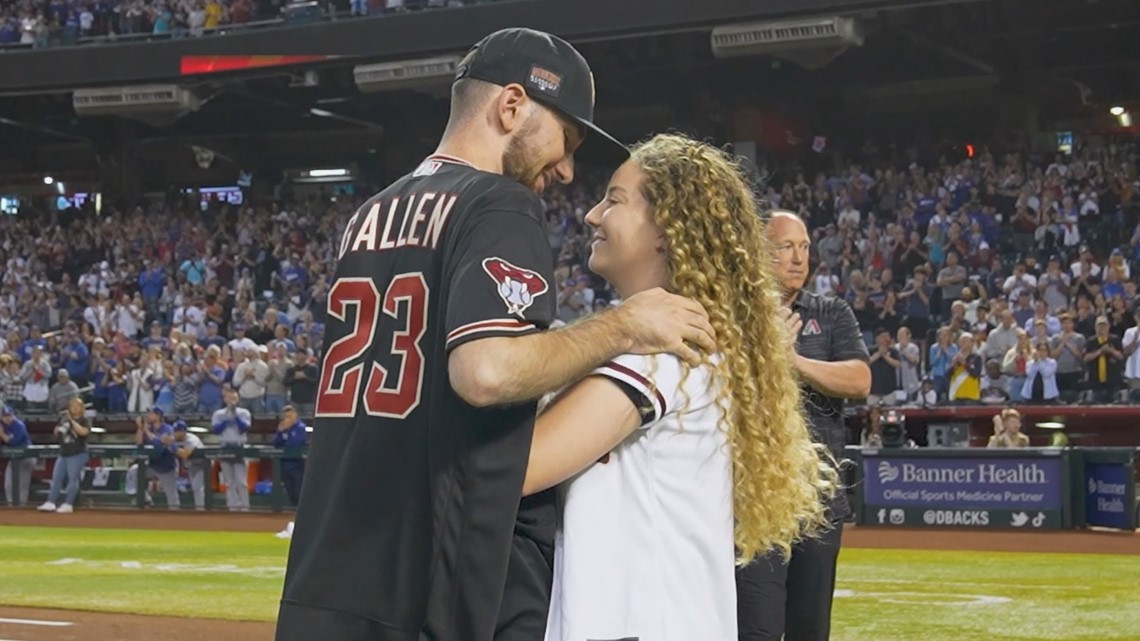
(898, 517)
(1019, 519)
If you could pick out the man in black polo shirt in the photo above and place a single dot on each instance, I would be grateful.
(792, 601)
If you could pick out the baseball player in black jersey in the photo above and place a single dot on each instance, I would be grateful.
(792, 601)
(409, 526)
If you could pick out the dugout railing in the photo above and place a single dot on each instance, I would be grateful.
(105, 479)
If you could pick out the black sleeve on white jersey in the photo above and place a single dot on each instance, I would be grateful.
(640, 401)
(501, 276)
(655, 378)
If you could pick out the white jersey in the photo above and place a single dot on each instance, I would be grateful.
(645, 545)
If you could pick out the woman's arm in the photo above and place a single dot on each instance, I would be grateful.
(581, 426)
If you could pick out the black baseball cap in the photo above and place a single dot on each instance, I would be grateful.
(553, 73)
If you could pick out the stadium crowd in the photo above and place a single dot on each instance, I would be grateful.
(43, 23)
(1005, 277)
(994, 279)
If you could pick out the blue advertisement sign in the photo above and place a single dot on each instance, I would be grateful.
(1014, 483)
(1106, 492)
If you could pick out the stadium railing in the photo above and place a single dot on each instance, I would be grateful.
(118, 458)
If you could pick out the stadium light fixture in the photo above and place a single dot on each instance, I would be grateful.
(320, 113)
(327, 173)
(48, 180)
(1116, 111)
(98, 430)
(1051, 425)
(308, 428)
(197, 430)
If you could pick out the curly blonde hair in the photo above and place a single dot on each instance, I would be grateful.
(718, 254)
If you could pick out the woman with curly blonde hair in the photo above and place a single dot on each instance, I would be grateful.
(673, 467)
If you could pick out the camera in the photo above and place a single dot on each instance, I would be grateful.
(892, 429)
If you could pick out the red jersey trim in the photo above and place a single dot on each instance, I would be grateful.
(451, 159)
(643, 384)
(493, 326)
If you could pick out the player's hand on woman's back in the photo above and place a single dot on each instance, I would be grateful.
(659, 322)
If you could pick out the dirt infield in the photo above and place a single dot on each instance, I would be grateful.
(35, 624)
(32, 624)
(1068, 541)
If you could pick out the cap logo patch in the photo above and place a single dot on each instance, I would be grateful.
(544, 80)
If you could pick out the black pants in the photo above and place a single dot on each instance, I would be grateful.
(526, 596)
(791, 600)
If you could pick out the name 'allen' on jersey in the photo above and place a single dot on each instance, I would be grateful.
(405, 216)
(411, 497)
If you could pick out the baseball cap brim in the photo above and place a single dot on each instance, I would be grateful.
(599, 148)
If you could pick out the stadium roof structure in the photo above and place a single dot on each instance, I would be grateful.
(1069, 56)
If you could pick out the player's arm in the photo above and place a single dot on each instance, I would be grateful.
(849, 375)
(501, 370)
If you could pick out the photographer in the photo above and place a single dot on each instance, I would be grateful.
(72, 432)
(1007, 430)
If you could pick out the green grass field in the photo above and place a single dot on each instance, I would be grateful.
(883, 595)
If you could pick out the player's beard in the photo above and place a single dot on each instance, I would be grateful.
(518, 159)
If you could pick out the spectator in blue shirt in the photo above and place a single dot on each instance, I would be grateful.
(291, 435)
(157, 437)
(231, 424)
(14, 434)
(156, 339)
(151, 283)
(77, 358)
(35, 338)
(213, 373)
(942, 353)
(212, 337)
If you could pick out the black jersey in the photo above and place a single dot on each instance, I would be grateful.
(411, 495)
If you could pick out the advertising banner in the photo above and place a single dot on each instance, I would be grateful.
(962, 491)
(1106, 495)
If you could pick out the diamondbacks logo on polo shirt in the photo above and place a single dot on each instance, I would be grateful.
(811, 328)
(544, 80)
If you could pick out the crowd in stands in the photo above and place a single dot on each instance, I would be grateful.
(1006, 277)
(1000, 278)
(166, 307)
(42, 23)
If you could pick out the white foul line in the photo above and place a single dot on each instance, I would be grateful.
(50, 624)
